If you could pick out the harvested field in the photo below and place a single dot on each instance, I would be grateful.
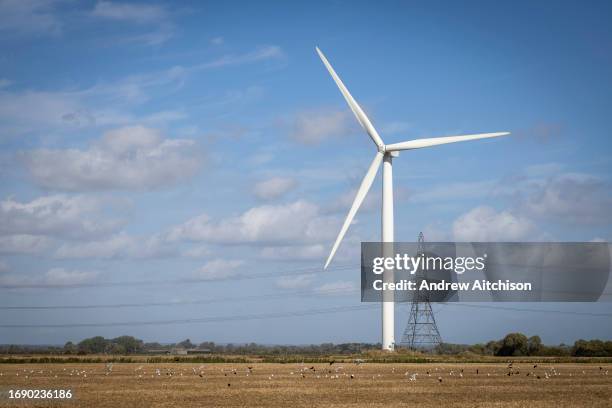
(307, 385)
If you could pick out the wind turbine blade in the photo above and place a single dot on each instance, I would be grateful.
(419, 143)
(366, 183)
(359, 114)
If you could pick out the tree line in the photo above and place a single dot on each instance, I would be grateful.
(513, 344)
(517, 344)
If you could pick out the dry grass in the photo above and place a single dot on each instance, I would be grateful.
(283, 385)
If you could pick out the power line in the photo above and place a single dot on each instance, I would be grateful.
(185, 281)
(521, 309)
(220, 319)
(182, 302)
(264, 316)
(269, 296)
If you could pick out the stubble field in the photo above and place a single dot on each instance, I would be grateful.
(308, 385)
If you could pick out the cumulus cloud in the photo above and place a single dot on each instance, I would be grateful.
(59, 215)
(339, 287)
(118, 246)
(315, 126)
(54, 277)
(455, 191)
(436, 232)
(133, 157)
(65, 277)
(199, 251)
(295, 282)
(41, 112)
(294, 252)
(342, 203)
(220, 269)
(568, 197)
(486, 224)
(274, 187)
(23, 111)
(24, 244)
(297, 222)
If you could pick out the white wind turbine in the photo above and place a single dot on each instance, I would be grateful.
(384, 154)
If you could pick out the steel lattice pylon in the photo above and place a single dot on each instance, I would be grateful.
(421, 330)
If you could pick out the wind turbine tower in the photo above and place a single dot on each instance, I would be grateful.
(384, 155)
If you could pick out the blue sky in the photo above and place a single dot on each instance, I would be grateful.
(172, 141)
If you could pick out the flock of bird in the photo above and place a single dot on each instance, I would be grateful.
(331, 371)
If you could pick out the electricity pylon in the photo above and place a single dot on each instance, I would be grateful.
(421, 331)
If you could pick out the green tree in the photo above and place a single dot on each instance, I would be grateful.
(93, 345)
(129, 344)
(514, 344)
(70, 348)
(592, 348)
(534, 345)
(186, 344)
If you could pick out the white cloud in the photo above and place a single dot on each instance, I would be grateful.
(294, 252)
(486, 224)
(24, 244)
(455, 191)
(316, 126)
(342, 203)
(59, 215)
(160, 35)
(118, 246)
(29, 16)
(112, 102)
(260, 158)
(36, 112)
(130, 12)
(568, 197)
(64, 277)
(295, 282)
(150, 15)
(261, 53)
(436, 232)
(297, 222)
(340, 287)
(133, 157)
(199, 251)
(54, 277)
(544, 169)
(274, 187)
(220, 269)
(21, 112)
